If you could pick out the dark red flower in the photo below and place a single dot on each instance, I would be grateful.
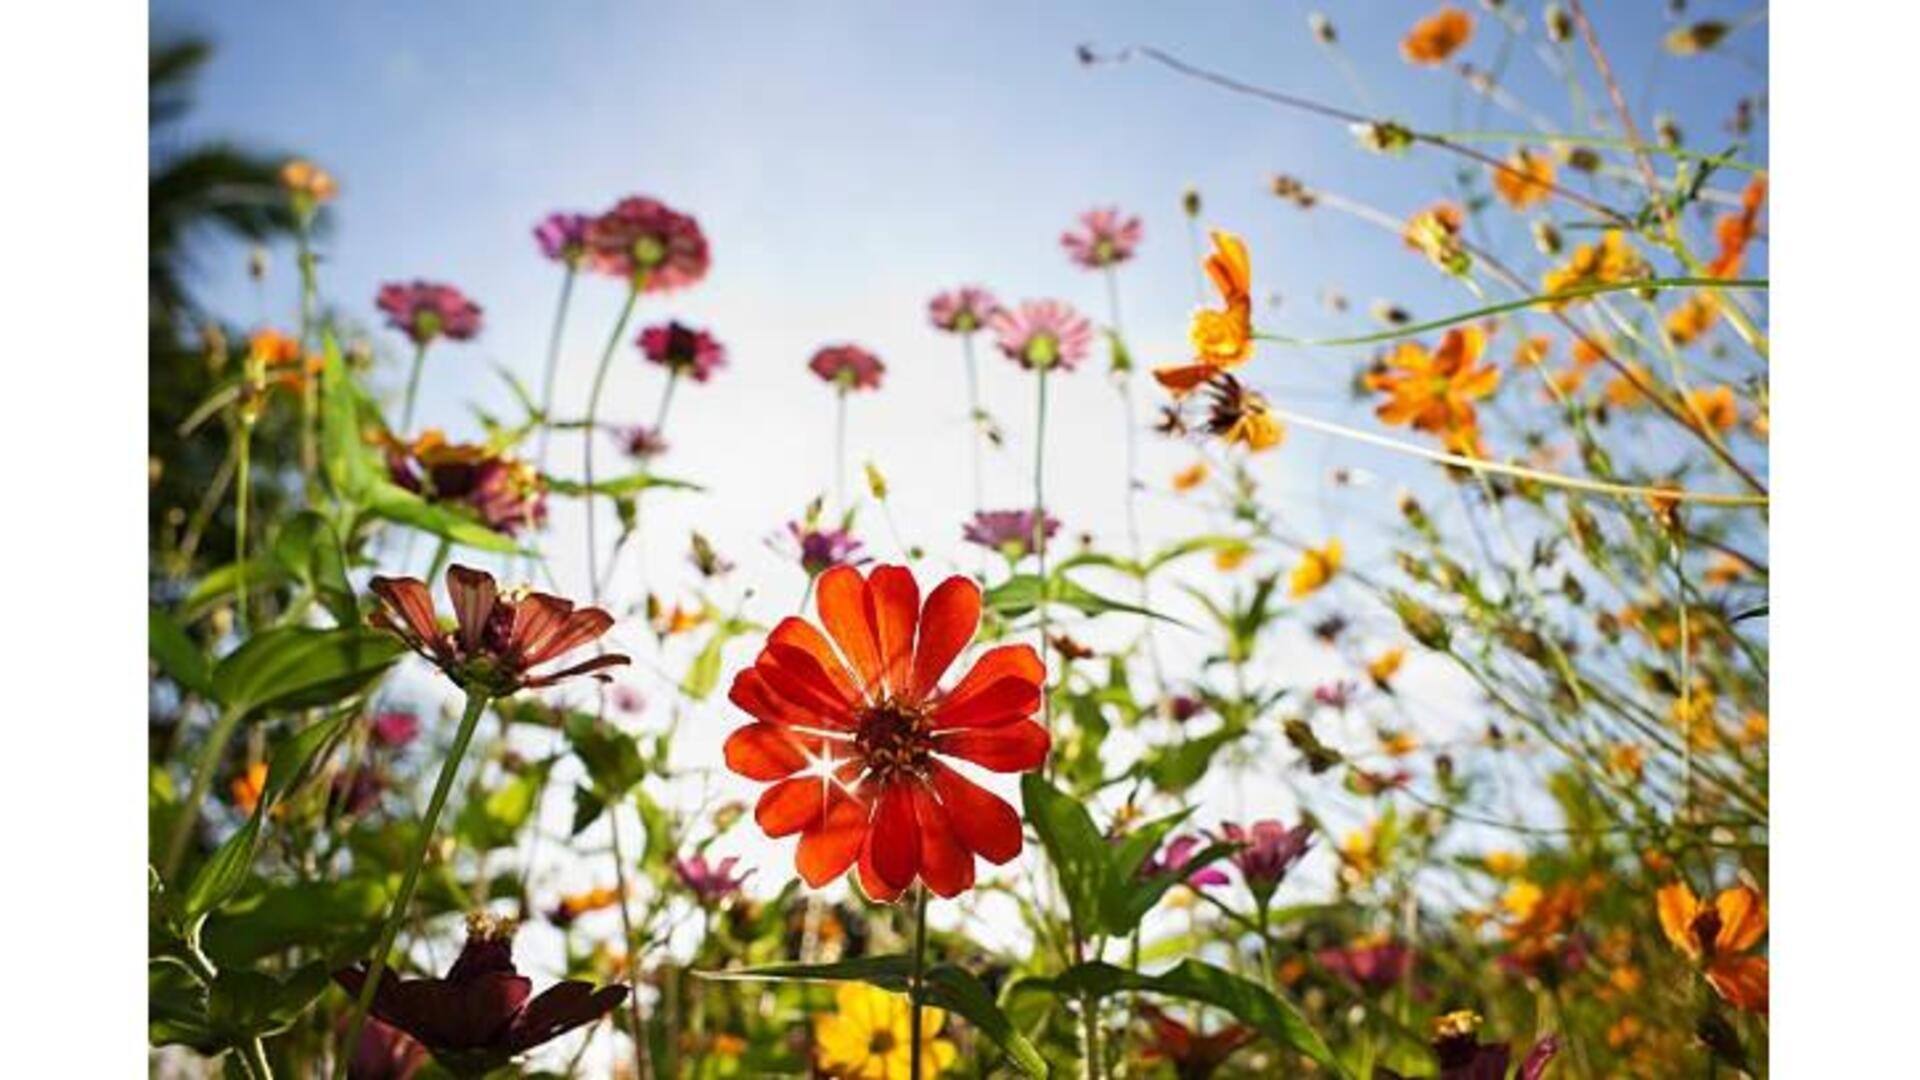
(424, 310)
(683, 350)
(385, 1053)
(499, 638)
(504, 493)
(1375, 965)
(479, 1017)
(851, 726)
(848, 367)
(651, 245)
(1192, 1055)
(1463, 1056)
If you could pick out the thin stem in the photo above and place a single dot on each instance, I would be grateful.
(840, 449)
(397, 913)
(203, 770)
(413, 388)
(590, 431)
(635, 1011)
(553, 367)
(309, 387)
(1040, 534)
(915, 990)
(974, 418)
(255, 1056)
(243, 498)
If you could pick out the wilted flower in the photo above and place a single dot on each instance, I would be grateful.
(499, 638)
(1193, 1056)
(563, 237)
(710, 883)
(869, 1036)
(683, 350)
(848, 367)
(1042, 334)
(1104, 238)
(425, 310)
(1437, 37)
(1524, 179)
(1435, 233)
(962, 310)
(1269, 849)
(506, 494)
(1241, 416)
(822, 549)
(652, 246)
(1222, 338)
(1719, 936)
(853, 747)
(1015, 534)
(479, 1016)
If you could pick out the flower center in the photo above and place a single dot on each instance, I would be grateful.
(649, 252)
(881, 1043)
(891, 741)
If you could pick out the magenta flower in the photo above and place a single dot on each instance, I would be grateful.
(962, 310)
(1269, 850)
(1043, 333)
(563, 237)
(1012, 533)
(848, 367)
(820, 550)
(506, 494)
(1103, 238)
(1375, 966)
(628, 700)
(1335, 695)
(1181, 708)
(1178, 853)
(425, 310)
(683, 350)
(709, 883)
(643, 443)
(395, 728)
(648, 243)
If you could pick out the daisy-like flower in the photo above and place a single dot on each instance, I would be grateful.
(710, 883)
(498, 638)
(1193, 1056)
(1241, 416)
(869, 1036)
(1043, 334)
(851, 728)
(649, 244)
(1268, 850)
(1610, 262)
(563, 237)
(1437, 37)
(482, 1014)
(1720, 936)
(1012, 533)
(426, 310)
(962, 310)
(1435, 391)
(1317, 567)
(820, 549)
(1222, 337)
(847, 367)
(683, 350)
(505, 493)
(306, 181)
(1524, 179)
(1103, 238)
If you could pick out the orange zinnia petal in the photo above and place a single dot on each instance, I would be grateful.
(945, 862)
(800, 634)
(1184, 378)
(764, 751)
(1742, 980)
(947, 624)
(846, 610)
(790, 806)
(832, 845)
(983, 820)
(1677, 905)
(1017, 747)
(798, 678)
(1000, 662)
(871, 883)
(894, 839)
(1009, 699)
(896, 612)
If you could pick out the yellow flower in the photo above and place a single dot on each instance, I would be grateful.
(1190, 477)
(1715, 406)
(1434, 391)
(1222, 337)
(1693, 714)
(1239, 415)
(1435, 233)
(1504, 863)
(1437, 36)
(1383, 668)
(1717, 936)
(1609, 262)
(249, 786)
(1317, 567)
(869, 1036)
(305, 180)
(1692, 319)
(1521, 899)
(1524, 179)
(1231, 557)
(1626, 760)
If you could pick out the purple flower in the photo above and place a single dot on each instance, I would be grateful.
(395, 728)
(962, 310)
(1012, 533)
(709, 883)
(648, 243)
(683, 350)
(1177, 854)
(1102, 239)
(385, 1053)
(479, 1017)
(643, 443)
(1269, 850)
(563, 237)
(821, 549)
(1043, 334)
(425, 310)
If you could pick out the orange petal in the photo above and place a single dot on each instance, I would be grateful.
(947, 624)
(797, 677)
(791, 805)
(409, 599)
(1017, 747)
(983, 820)
(801, 634)
(997, 663)
(894, 838)
(764, 751)
(871, 883)
(1743, 919)
(1184, 378)
(896, 613)
(1005, 701)
(1676, 905)
(473, 593)
(832, 845)
(846, 610)
(1742, 980)
(945, 862)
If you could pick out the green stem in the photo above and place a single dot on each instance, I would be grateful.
(635, 1010)
(309, 387)
(413, 389)
(255, 1055)
(553, 368)
(591, 429)
(974, 418)
(209, 763)
(915, 988)
(243, 497)
(397, 914)
(1040, 535)
(840, 450)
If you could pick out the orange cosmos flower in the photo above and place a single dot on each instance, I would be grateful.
(1696, 315)
(1734, 232)
(1622, 392)
(1239, 415)
(1533, 351)
(1222, 338)
(1435, 391)
(1715, 406)
(1190, 477)
(851, 726)
(1609, 262)
(1524, 179)
(1718, 936)
(1437, 36)
(305, 180)
(1317, 567)
(248, 787)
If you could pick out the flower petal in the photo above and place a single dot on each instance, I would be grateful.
(983, 820)
(580, 627)
(1742, 980)
(763, 751)
(473, 593)
(1003, 702)
(896, 614)
(791, 805)
(945, 862)
(947, 624)
(1676, 906)
(894, 838)
(1743, 919)
(561, 1008)
(877, 890)
(997, 663)
(409, 599)
(797, 677)
(800, 634)
(834, 842)
(1017, 747)
(537, 618)
(846, 610)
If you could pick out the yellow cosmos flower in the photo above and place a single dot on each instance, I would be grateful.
(1690, 321)
(1190, 477)
(869, 1036)
(1222, 338)
(1521, 899)
(1717, 936)
(1610, 262)
(1524, 179)
(1317, 567)
(1384, 667)
(1715, 406)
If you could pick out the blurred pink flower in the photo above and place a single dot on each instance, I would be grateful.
(1010, 532)
(395, 728)
(848, 367)
(683, 350)
(1043, 333)
(1270, 851)
(424, 310)
(1376, 966)
(648, 243)
(709, 883)
(563, 237)
(1174, 858)
(642, 442)
(962, 310)
(627, 699)
(1102, 239)
(820, 550)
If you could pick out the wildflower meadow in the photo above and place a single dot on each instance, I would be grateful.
(1311, 619)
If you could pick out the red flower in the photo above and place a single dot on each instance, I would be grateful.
(848, 367)
(850, 726)
(499, 637)
(652, 245)
(1193, 1056)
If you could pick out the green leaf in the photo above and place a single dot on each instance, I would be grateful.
(1126, 900)
(179, 658)
(177, 1009)
(350, 464)
(619, 485)
(309, 549)
(249, 1004)
(1176, 767)
(391, 502)
(611, 756)
(1247, 1001)
(496, 820)
(218, 584)
(1073, 844)
(946, 986)
(1021, 594)
(298, 667)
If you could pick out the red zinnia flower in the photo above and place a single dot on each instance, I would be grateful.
(683, 350)
(499, 637)
(851, 726)
(424, 310)
(848, 367)
(652, 245)
(1193, 1056)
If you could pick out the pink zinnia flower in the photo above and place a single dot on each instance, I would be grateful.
(962, 310)
(648, 243)
(1012, 533)
(1179, 852)
(1335, 695)
(709, 883)
(424, 310)
(643, 443)
(848, 367)
(395, 728)
(1270, 850)
(683, 350)
(1376, 966)
(1043, 333)
(563, 237)
(1103, 239)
